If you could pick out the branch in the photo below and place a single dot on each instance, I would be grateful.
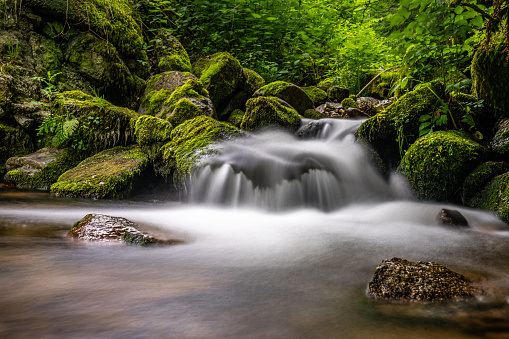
(372, 80)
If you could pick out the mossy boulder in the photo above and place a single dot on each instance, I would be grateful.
(220, 73)
(269, 111)
(337, 93)
(500, 142)
(384, 130)
(479, 179)
(41, 169)
(151, 133)
(349, 103)
(317, 95)
(494, 197)
(292, 94)
(185, 102)
(109, 174)
(90, 124)
(15, 142)
(437, 164)
(191, 142)
(171, 55)
(236, 118)
(490, 73)
(159, 89)
(314, 114)
(99, 63)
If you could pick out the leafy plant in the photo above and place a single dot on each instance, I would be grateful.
(49, 88)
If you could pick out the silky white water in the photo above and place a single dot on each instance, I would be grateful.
(261, 259)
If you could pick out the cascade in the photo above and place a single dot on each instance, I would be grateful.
(321, 166)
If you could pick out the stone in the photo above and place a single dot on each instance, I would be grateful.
(290, 93)
(269, 111)
(104, 228)
(451, 218)
(500, 142)
(400, 279)
(337, 93)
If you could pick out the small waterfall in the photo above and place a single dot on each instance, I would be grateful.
(321, 167)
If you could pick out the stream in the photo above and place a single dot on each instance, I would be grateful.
(282, 236)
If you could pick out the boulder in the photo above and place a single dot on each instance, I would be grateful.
(437, 164)
(109, 174)
(452, 218)
(500, 142)
(290, 93)
(171, 55)
(87, 124)
(269, 111)
(329, 108)
(190, 142)
(104, 228)
(159, 89)
(152, 133)
(220, 74)
(15, 142)
(494, 197)
(479, 179)
(236, 117)
(349, 103)
(400, 279)
(319, 96)
(314, 114)
(337, 93)
(41, 169)
(384, 130)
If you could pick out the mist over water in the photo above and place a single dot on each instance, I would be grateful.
(282, 236)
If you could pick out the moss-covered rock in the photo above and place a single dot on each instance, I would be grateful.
(159, 89)
(479, 178)
(15, 142)
(221, 75)
(437, 164)
(171, 55)
(151, 133)
(41, 169)
(349, 103)
(252, 81)
(391, 131)
(292, 94)
(490, 73)
(500, 142)
(89, 124)
(494, 197)
(109, 174)
(236, 118)
(314, 114)
(337, 93)
(190, 143)
(269, 111)
(98, 62)
(319, 96)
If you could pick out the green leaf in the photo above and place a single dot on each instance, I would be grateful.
(477, 21)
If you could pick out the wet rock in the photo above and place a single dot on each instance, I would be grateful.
(353, 112)
(269, 111)
(171, 55)
(319, 96)
(451, 218)
(105, 228)
(329, 108)
(500, 142)
(290, 93)
(400, 279)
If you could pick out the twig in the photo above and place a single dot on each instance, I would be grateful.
(372, 80)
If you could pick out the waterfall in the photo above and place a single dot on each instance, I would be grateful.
(321, 166)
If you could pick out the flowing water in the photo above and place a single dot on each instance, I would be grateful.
(282, 237)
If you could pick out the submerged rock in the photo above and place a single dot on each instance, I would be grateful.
(400, 279)
(451, 218)
(105, 228)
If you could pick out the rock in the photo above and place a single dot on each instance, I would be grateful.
(319, 96)
(290, 93)
(152, 133)
(452, 218)
(191, 142)
(500, 142)
(220, 74)
(337, 94)
(381, 131)
(171, 55)
(236, 118)
(314, 114)
(109, 174)
(399, 279)
(105, 228)
(479, 179)
(329, 108)
(327, 83)
(367, 107)
(349, 103)
(353, 112)
(494, 197)
(15, 142)
(269, 111)
(90, 124)
(437, 164)
(159, 89)
(312, 130)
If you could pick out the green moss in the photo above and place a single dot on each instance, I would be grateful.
(349, 103)
(253, 80)
(151, 133)
(190, 142)
(137, 239)
(101, 124)
(316, 94)
(184, 110)
(479, 178)
(494, 197)
(108, 174)
(236, 118)
(313, 114)
(171, 54)
(15, 142)
(154, 101)
(267, 111)
(437, 164)
(220, 74)
(274, 88)
(175, 62)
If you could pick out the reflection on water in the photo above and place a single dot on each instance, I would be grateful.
(242, 274)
